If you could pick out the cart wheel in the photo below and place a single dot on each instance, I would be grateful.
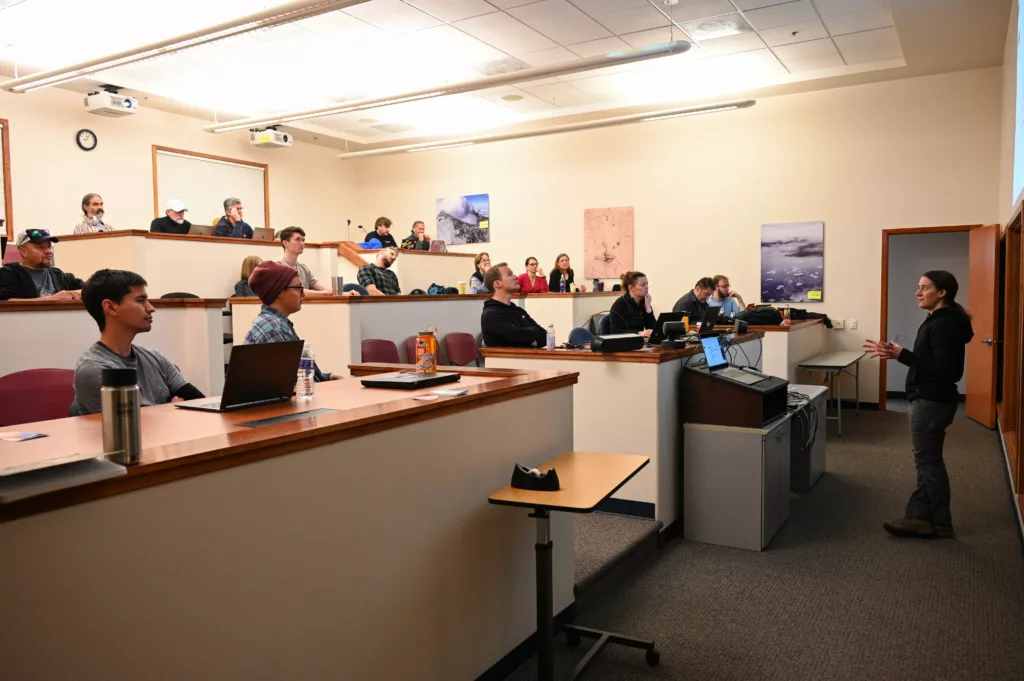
(572, 638)
(652, 657)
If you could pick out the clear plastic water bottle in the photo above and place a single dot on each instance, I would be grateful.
(551, 337)
(561, 284)
(304, 385)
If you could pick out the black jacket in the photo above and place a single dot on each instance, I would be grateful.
(15, 282)
(165, 225)
(508, 326)
(555, 281)
(386, 240)
(692, 307)
(412, 243)
(937, 360)
(628, 316)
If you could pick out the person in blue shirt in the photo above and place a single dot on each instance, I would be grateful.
(725, 298)
(232, 224)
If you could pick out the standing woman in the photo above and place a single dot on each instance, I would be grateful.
(532, 280)
(936, 364)
(562, 271)
(632, 312)
(476, 280)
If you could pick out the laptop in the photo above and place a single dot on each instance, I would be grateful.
(257, 375)
(262, 234)
(706, 328)
(410, 381)
(658, 335)
(719, 367)
(200, 230)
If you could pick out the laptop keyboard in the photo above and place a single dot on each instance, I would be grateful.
(740, 376)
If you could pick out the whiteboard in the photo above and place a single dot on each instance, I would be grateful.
(204, 183)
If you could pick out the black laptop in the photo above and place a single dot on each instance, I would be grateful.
(410, 381)
(658, 335)
(257, 374)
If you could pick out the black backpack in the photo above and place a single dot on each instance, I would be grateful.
(763, 316)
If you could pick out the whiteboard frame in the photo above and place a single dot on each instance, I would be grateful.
(223, 159)
(5, 161)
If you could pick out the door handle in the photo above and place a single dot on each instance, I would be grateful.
(989, 341)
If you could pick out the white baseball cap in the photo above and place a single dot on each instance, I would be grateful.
(177, 205)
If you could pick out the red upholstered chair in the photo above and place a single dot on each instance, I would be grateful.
(461, 349)
(12, 254)
(377, 350)
(36, 395)
(410, 350)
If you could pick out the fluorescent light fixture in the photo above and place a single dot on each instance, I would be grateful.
(553, 130)
(485, 83)
(268, 18)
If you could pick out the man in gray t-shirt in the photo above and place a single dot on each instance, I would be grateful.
(43, 282)
(158, 379)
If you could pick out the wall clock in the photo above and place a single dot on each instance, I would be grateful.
(86, 139)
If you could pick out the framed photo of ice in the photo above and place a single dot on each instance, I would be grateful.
(793, 262)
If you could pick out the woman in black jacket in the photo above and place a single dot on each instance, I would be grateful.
(936, 364)
(561, 271)
(632, 312)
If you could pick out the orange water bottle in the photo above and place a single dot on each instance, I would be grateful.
(426, 351)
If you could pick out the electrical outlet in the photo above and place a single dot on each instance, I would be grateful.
(853, 323)
(838, 324)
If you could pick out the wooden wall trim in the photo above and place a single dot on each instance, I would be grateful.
(158, 303)
(5, 158)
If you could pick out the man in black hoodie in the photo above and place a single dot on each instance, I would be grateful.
(504, 325)
(936, 364)
(35, 278)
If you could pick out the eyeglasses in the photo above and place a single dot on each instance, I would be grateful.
(298, 287)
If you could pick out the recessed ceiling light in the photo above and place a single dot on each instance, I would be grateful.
(717, 27)
(367, 120)
(512, 98)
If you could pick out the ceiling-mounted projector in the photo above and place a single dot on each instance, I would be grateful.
(269, 138)
(111, 105)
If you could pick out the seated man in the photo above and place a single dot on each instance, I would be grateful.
(35, 277)
(118, 301)
(418, 240)
(92, 208)
(173, 221)
(505, 325)
(232, 224)
(695, 303)
(725, 298)
(280, 290)
(377, 278)
(293, 241)
(382, 233)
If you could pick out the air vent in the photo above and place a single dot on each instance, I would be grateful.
(393, 127)
(506, 65)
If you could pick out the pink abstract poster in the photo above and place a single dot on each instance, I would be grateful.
(607, 242)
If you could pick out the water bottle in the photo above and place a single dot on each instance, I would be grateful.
(304, 384)
(426, 351)
(120, 403)
(551, 337)
(561, 283)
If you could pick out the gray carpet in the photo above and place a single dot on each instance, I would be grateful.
(602, 540)
(835, 597)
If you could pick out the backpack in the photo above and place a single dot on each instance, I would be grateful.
(764, 316)
(435, 290)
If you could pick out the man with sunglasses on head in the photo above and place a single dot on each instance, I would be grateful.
(35, 278)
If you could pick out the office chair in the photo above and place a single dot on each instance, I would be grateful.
(378, 350)
(604, 327)
(36, 395)
(580, 336)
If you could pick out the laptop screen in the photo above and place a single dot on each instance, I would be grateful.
(713, 352)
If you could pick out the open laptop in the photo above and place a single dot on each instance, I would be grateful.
(257, 374)
(410, 381)
(658, 335)
(719, 367)
(200, 230)
(262, 234)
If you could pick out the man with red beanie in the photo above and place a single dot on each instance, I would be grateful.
(280, 289)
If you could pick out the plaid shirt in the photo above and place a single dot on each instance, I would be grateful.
(386, 281)
(88, 225)
(270, 326)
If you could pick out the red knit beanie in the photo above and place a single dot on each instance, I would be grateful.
(270, 279)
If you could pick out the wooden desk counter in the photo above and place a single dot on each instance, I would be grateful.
(648, 355)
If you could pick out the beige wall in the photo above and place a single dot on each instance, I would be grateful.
(904, 153)
(50, 174)
(1007, 118)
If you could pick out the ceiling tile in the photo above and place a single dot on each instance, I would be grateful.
(633, 20)
(717, 27)
(782, 15)
(454, 10)
(835, 8)
(689, 10)
(833, 61)
(561, 95)
(505, 4)
(796, 33)
(655, 36)
(560, 21)
(545, 57)
(744, 5)
(733, 44)
(861, 21)
(807, 50)
(505, 33)
(451, 44)
(869, 46)
(392, 16)
(596, 48)
(596, 7)
(520, 102)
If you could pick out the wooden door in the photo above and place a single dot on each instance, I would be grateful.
(983, 275)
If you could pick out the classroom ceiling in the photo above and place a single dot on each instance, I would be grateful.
(740, 48)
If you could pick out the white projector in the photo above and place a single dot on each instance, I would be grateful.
(269, 138)
(111, 105)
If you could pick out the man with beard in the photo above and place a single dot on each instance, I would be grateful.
(35, 278)
(503, 324)
(377, 277)
(174, 221)
(92, 208)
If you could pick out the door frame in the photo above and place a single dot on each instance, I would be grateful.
(884, 325)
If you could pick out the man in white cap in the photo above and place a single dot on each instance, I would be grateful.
(173, 221)
(35, 277)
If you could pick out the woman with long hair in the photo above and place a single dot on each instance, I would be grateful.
(632, 312)
(562, 272)
(936, 364)
(532, 280)
(242, 289)
(482, 262)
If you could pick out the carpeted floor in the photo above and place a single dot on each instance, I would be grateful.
(603, 539)
(835, 597)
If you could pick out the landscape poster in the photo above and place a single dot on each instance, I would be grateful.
(793, 262)
(607, 242)
(464, 220)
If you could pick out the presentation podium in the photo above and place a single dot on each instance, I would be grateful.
(719, 401)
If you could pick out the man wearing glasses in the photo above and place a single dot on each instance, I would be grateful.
(35, 278)
(280, 290)
(725, 297)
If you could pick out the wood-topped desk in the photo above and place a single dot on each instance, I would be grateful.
(303, 550)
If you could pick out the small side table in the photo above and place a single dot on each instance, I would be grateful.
(586, 479)
(835, 364)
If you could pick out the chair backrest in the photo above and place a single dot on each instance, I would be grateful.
(357, 288)
(12, 254)
(378, 350)
(579, 335)
(461, 349)
(410, 350)
(604, 327)
(36, 395)
(178, 294)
